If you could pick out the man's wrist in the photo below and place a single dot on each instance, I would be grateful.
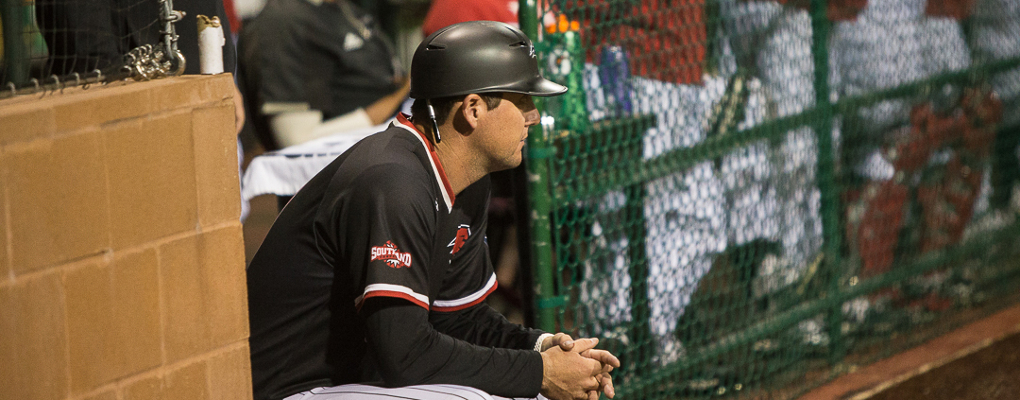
(541, 341)
(545, 379)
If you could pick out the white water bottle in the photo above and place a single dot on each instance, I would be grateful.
(210, 44)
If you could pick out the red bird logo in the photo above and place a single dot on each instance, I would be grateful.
(390, 254)
(463, 232)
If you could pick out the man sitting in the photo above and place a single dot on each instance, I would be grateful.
(373, 278)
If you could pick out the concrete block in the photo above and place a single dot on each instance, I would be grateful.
(186, 328)
(102, 395)
(219, 191)
(146, 388)
(204, 292)
(57, 199)
(227, 290)
(177, 93)
(136, 308)
(188, 382)
(8, 348)
(230, 373)
(191, 90)
(93, 108)
(33, 358)
(113, 319)
(24, 122)
(152, 179)
(5, 262)
(91, 323)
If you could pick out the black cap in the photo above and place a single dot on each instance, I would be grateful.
(478, 57)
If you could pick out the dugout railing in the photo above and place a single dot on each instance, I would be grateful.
(758, 254)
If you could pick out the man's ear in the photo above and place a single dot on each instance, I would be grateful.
(472, 109)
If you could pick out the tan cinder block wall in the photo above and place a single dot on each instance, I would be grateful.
(121, 255)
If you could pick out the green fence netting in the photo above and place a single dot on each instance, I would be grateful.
(746, 198)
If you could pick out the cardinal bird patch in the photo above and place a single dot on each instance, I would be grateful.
(463, 232)
(391, 255)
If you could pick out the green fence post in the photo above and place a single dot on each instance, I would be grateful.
(540, 198)
(826, 176)
(640, 332)
(15, 54)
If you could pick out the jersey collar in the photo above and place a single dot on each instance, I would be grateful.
(437, 167)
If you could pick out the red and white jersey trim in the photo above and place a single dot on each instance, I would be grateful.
(468, 301)
(388, 290)
(437, 167)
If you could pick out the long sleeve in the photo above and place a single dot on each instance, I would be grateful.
(409, 351)
(483, 326)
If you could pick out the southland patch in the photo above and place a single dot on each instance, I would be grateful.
(391, 255)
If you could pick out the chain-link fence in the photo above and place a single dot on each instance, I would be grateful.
(746, 198)
(52, 44)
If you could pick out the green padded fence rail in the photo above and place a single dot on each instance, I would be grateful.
(748, 198)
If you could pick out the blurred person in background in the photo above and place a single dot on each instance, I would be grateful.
(919, 164)
(312, 68)
(994, 35)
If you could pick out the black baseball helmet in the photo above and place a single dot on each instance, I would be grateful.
(477, 57)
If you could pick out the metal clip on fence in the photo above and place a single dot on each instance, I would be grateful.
(170, 16)
(57, 84)
(99, 78)
(141, 63)
(152, 62)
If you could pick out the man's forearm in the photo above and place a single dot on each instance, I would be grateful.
(409, 351)
(385, 107)
(483, 326)
(296, 127)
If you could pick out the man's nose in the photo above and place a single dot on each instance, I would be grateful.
(531, 117)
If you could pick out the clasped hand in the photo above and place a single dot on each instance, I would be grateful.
(575, 369)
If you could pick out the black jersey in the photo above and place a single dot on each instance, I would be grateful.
(379, 221)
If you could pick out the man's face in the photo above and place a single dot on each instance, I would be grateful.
(506, 130)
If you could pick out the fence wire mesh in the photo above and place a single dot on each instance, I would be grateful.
(746, 198)
(57, 43)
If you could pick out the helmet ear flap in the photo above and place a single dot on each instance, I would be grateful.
(432, 121)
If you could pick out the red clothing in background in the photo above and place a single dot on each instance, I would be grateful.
(956, 9)
(665, 39)
(847, 10)
(235, 23)
(444, 13)
(838, 10)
